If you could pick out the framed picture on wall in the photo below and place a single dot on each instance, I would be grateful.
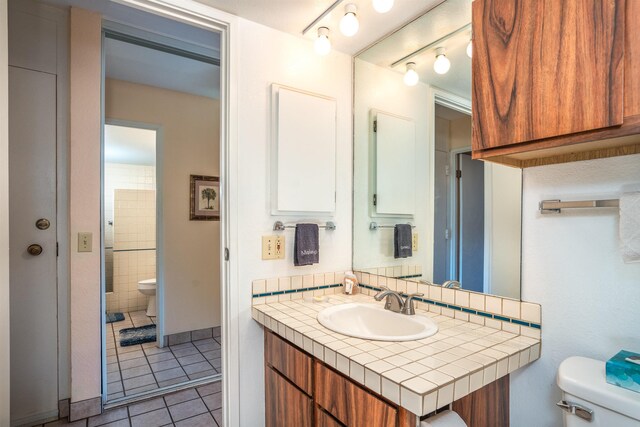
(205, 198)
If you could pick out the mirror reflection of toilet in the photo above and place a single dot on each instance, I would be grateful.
(148, 288)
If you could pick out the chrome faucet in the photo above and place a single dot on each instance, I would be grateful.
(453, 284)
(394, 301)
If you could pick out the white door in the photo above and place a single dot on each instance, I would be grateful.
(32, 196)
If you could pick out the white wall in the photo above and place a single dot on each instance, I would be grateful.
(4, 219)
(460, 133)
(381, 89)
(573, 267)
(84, 202)
(267, 56)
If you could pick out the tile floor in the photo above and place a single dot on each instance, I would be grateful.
(196, 407)
(139, 368)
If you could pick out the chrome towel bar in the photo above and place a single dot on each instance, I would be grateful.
(279, 226)
(375, 226)
(556, 206)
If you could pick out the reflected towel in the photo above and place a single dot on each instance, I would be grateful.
(402, 241)
(306, 245)
(630, 227)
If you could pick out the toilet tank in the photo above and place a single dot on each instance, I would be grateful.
(583, 383)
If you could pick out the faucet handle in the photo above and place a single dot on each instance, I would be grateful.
(408, 307)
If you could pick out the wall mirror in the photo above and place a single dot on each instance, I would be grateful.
(413, 165)
(161, 205)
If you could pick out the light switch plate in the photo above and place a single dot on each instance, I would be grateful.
(414, 242)
(268, 247)
(85, 242)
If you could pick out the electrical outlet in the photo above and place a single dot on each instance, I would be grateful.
(269, 247)
(279, 247)
(85, 242)
(414, 242)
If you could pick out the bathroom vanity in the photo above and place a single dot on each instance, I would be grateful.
(316, 377)
(301, 390)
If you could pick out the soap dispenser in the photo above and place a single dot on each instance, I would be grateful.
(350, 283)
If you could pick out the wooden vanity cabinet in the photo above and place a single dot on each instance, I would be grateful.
(555, 80)
(301, 391)
(285, 404)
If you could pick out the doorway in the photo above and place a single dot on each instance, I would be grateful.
(161, 253)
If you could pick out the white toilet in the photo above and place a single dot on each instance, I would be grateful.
(148, 288)
(586, 393)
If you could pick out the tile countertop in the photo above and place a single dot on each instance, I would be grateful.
(419, 375)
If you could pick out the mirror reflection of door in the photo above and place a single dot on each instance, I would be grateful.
(470, 222)
(161, 255)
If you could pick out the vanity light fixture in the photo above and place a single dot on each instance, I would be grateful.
(470, 49)
(411, 76)
(442, 64)
(349, 23)
(382, 6)
(322, 44)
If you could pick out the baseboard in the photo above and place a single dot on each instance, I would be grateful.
(85, 408)
(41, 418)
(189, 336)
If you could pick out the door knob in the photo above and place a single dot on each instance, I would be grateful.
(42, 224)
(34, 249)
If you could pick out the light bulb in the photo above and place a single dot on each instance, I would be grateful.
(470, 49)
(442, 64)
(322, 44)
(349, 23)
(411, 77)
(382, 6)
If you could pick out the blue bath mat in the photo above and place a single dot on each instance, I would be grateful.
(134, 336)
(115, 317)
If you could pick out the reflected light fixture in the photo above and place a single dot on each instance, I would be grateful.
(442, 64)
(382, 6)
(470, 49)
(411, 76)
(322, 45)
(349, 23)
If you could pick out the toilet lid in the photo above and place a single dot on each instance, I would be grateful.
(147, 282)
(586, 378)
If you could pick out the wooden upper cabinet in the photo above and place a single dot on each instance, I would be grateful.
(551, 73)
(544, 68)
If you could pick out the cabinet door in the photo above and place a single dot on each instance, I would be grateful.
(546, 68)
(350, 404)
(325, 420)
(487, 407)
(290, 362)
(285, 405)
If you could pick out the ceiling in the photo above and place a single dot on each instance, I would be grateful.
(293, 16)
(129, 145)
(446, 25)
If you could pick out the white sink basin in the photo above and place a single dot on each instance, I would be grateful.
(373, 322)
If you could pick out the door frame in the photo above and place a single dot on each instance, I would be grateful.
(447, 99)
(159, 246)
(200, 15)
(4, 218)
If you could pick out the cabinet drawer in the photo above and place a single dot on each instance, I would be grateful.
(289, 361)
(350, 404)
(285, 405)
(325, 420)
